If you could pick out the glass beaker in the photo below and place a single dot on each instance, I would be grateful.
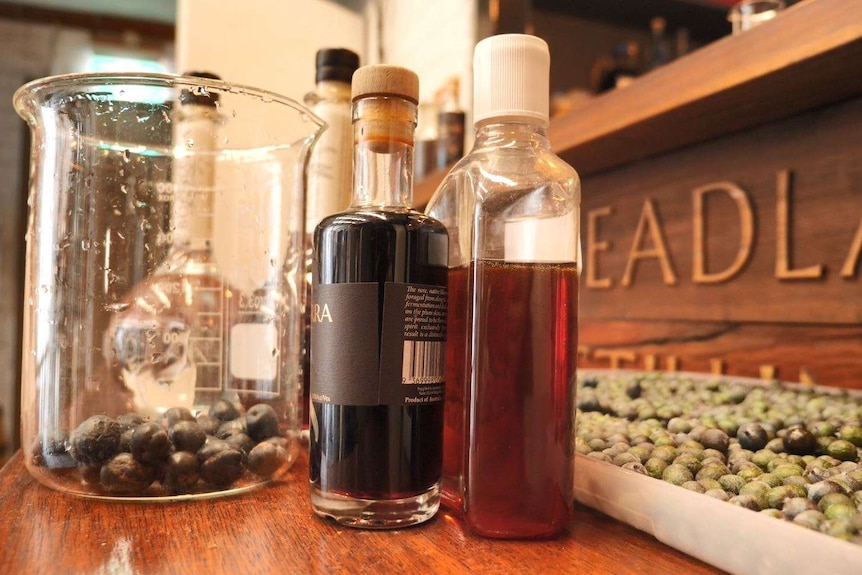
(164, 284)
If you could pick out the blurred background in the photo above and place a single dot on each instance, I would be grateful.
(596, 46)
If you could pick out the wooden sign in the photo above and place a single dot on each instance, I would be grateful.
(741, 255)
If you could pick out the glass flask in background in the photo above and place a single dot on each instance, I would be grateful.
(512, 210)
(164, 284)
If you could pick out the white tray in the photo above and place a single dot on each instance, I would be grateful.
(737, 540)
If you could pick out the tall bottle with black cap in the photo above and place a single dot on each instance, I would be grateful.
(512, 210)
(178, 314)
(378, 326)
(330, 165)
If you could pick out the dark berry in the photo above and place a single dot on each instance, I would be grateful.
(231, 427)
(262, 422)
(126, 440)
(150, 443)
(220, 463)
(223, 410)
(131, 420)
(89, 472)
(241, 441)
(125, 475)
(208, 424)
(187, 436)
(752, 436)
(800, 441)
(177, 414)
(266, 458)
(633, 389)
(95, 440)
(181, 472)
(590, 382)
(715, 439)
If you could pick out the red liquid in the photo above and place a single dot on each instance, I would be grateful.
(453, 410)
(518, 476)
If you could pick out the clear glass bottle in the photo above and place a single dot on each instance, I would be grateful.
(330, 166)
(512, 210)
(378, 327)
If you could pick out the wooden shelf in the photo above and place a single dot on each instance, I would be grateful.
(806, 58)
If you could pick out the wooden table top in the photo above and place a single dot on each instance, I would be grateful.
(273, 530)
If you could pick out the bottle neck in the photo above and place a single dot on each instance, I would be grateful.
(506, 133)
(383, 152)
(329, 91)
(193, 176)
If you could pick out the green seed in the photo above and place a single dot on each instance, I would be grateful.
(831, 499)
(717, 494)
(786, 470)
(677, 474)
(749, 473)
(666, 453)
(655, 467)
(770, 479)
(693, 486)
(842, 450)
(778, 495)
(851, 433)
(773, 513)
(731, 483)
(840, 510)
(812, 519)
(709, 484)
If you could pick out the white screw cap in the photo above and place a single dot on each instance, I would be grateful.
(511, 78)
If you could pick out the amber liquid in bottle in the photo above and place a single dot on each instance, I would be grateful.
(525, 331)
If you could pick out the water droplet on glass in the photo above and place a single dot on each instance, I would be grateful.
(126, 155)
(45, 289)
(190, 142)
(165, 117)
(200, 91)
(124, 188)
(85, 245)
(117, 307)
(156, 358)
(274, 352)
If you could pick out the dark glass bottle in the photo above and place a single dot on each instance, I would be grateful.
(379, 278)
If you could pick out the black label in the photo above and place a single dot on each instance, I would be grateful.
(353, 362)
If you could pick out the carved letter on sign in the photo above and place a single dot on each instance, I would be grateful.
(849, 269)
(594, 246)
(746, 232)
(782, 240)
(649, 223)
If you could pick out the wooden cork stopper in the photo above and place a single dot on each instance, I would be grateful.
(381, 80)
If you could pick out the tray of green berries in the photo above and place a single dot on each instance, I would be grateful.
(753, 477)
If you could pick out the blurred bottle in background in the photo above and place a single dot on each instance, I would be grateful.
(659, 51)
(330, 166)
(427, 136)
(619, 70)
(450, 121)
(747, 14)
